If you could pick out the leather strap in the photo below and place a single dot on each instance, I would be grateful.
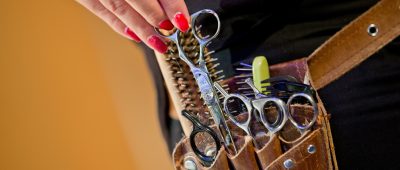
(354, 43)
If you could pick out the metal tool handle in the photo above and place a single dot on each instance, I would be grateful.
(314, 106)
(200, 128)
(243, 125)
(257, 92)
(259, 104)
(204, 41)
(174, 37)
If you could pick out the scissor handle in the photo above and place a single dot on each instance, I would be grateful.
(314, 106)
(245, 125)
(243, 99)
(200, 128)
(204, 40)
(282, 113)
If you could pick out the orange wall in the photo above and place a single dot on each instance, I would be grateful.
(73, 94)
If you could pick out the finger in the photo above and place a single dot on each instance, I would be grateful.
(152, 12)
(177, 11)
(113, 21)
(136, 23)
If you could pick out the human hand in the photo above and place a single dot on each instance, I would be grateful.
(135, 19)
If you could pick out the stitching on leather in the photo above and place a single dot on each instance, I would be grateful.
(317, 143)
(333, 41)
(353, 60)
(332, 74)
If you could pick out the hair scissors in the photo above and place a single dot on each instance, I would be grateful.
(261, 102)
(249, 107)
(198, 128)
(298, 91)
(201, 74)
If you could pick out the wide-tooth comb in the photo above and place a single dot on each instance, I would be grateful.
(183, 79)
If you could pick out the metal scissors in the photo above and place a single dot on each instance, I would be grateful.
(260, 103)
(206, 158)
(202, 76)
(242, 104)
(302, 127)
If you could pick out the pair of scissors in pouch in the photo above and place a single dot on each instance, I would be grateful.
(201, 74)
(240, 110)
(209, 150)
(291, 91)
(260, 104)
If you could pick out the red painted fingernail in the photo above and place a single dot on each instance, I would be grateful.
(166, 24)
(157, 44)
(131, 34)
(181, 22)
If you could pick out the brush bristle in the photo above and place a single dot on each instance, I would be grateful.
(189, 93)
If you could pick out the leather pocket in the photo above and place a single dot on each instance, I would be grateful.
(290, 135)
(269, 152)
(310, 153)
(245, 158)
(184, 157)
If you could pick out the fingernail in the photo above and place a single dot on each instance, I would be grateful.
(166, 24)
(131, 34)
(157, 44)
(181, 22)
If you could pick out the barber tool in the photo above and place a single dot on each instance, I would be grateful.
(206, 157)
(201, 74)
(237, 105)
(188, 93)
(302, 127)
(284, 86)
(260, 72)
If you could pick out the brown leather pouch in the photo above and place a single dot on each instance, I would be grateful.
(310, 150)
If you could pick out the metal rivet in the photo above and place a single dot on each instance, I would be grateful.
(288, 163)
(190, 165)
(311, 149)
(372, 30)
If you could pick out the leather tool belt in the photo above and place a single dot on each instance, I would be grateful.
(346, 49)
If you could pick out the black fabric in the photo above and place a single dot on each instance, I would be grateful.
(363, 103)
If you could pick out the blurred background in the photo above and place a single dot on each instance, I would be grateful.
(73, 94)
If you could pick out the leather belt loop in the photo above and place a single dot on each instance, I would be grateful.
(355, 42)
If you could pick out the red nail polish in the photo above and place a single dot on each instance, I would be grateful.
(181, 22)
(131, 34)
(166, 24)
(157, 44)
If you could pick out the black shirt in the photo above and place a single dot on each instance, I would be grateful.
(362, 103)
